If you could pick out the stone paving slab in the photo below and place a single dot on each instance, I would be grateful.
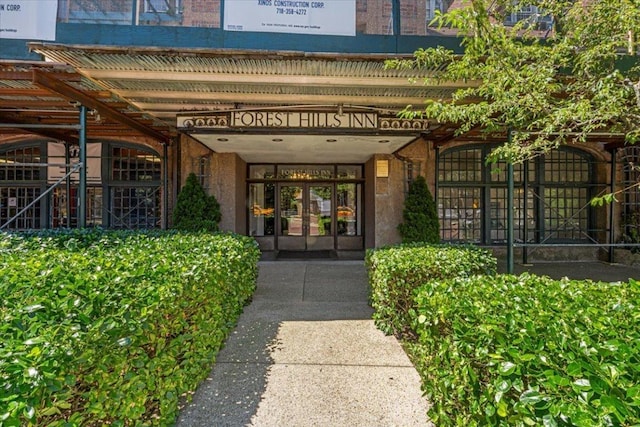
(306, 353)
(339, 395)
(333, 343)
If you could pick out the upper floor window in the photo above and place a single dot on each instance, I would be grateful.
(534, 16)
(433, 6)
(161, 6)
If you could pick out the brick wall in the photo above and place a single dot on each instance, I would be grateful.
(201, 13)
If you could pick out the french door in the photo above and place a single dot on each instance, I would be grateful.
(306, 216)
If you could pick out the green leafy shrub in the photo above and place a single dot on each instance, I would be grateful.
(195, 210)
(396, 272)
(529, 351)
(114, 327)
(420, 216)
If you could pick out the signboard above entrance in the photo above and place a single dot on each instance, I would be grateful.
(324, 17)
(306, 120)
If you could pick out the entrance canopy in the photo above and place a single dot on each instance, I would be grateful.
(172, 85)
(303, 135)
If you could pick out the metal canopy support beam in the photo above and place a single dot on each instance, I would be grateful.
(509, 212)
(82, 187)
(614, 154)
(525, 210)
(37, 126)
(54, 133)
(165, 185)
(43, 79)
(274, 79)
(510, 218)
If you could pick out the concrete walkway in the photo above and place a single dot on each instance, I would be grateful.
(592, 270)
(305, 353)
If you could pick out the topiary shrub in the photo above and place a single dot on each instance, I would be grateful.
(195, 210)
(420, 216)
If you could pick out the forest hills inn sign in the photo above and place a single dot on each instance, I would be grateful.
(299, 120)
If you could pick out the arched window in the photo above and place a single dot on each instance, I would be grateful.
(550, 205)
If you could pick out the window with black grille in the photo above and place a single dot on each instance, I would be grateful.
(551, 200)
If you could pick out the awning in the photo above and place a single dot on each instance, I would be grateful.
(154, 86)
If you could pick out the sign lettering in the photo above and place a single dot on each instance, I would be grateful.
(303, 119)
(327, 17)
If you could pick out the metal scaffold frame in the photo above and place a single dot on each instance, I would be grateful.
(75, 167)
(511, 244)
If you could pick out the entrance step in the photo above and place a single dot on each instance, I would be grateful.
(306, 255)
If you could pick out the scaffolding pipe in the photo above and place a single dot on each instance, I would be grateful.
(67, 159)
(510, 239)
(525, 210)
(577, 245)
(165, 184)
(611, 211)
(41, 196)
(37, 126)
(82, 187)
(510, 218)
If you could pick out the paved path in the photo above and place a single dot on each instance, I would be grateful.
(577, 270)
(305, 353)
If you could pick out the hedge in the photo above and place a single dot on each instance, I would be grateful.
(114, 327)
(396, 272)
(528, 350)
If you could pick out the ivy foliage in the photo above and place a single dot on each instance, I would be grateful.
(549, 87)
(420, 216)
(195, 210)
(114, 328)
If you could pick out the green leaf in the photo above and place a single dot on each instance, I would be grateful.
(502, 409)
(507, 368)
(53, 410)
(549, 421)
(530, 397)
(583, 383)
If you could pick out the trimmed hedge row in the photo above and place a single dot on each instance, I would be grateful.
(396, 272)
(504, 350)
(528, 350)
(114, 327)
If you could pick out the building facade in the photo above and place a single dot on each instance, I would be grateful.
(285, 112)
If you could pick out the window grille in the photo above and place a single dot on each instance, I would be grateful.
(472, 197)
(630, 200)
(21, 182)
(134, 189)
(202, 169)
(12, 200)
(27, 156)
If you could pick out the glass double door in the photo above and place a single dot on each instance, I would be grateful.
(306, 216)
